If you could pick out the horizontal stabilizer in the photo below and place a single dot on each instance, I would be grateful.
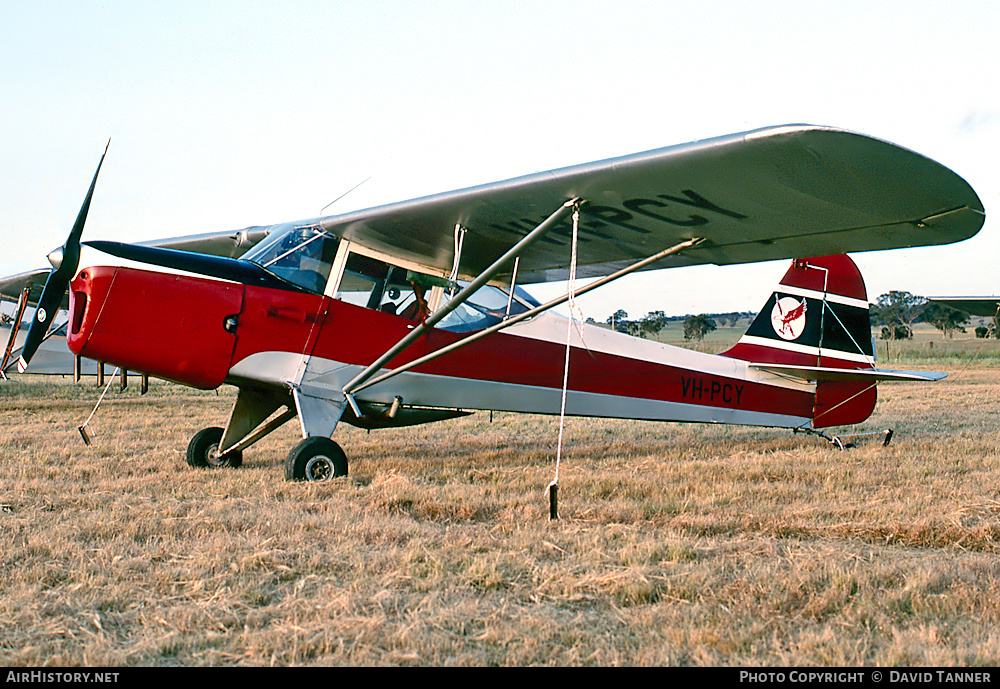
(824, 373)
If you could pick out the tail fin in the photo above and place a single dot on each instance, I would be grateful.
(818, 317)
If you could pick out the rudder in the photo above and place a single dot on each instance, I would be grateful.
(818, 317)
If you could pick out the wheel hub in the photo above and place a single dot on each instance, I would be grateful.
(213, 457)
(319, 468)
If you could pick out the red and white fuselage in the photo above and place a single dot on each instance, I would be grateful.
(205, 332)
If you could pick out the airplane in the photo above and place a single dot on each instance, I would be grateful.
(415, 312)
(987, 307)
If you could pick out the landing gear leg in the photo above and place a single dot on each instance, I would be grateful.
(316, 458)
(203, 450)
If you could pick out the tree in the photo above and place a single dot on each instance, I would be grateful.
(696, 327)
(898, 332)
(652, 323)
(897, 308)
(945, 319)
(617, 318)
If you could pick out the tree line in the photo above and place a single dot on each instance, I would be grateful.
(895, 313)
(696, 327)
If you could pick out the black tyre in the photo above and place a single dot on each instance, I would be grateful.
(203, 450)
(315, 459)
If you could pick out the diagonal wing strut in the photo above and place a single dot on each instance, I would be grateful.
(639, 265)
(458, 300)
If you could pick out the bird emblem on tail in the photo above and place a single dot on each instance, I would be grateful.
(788, 317)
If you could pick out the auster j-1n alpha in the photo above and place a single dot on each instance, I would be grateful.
(414, 312)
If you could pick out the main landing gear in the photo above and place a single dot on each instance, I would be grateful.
(314, 459)
(203, 450)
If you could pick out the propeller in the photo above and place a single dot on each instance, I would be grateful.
(65, 260)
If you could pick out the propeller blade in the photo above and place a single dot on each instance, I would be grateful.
(64, 268)
(48, 306)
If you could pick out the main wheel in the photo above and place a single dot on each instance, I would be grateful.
(315, 459)
(203, 450)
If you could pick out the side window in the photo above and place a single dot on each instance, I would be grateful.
(363, 282)
(407, 293)
(485, 307)
(375, 284)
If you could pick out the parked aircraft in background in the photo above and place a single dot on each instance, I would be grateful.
(414, 312)
(988, 307)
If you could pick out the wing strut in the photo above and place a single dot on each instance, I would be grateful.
(458, 300)
(478, 335)
(15, 325)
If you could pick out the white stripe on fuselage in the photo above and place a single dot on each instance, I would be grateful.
(550, 327)
(826, 352)
(417, 389)
(425, 390)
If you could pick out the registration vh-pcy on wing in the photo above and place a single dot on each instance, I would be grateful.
(416, 311)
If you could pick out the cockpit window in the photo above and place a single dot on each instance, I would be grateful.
(374, 284)
(300, 255)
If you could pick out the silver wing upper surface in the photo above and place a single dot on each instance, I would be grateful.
(781, 192)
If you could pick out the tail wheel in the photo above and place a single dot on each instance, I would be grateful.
(203, 450)
(315, 459)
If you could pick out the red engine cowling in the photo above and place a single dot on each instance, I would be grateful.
(176, 327)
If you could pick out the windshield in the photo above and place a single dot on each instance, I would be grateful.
(300, 255)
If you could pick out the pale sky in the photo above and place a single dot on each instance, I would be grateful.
(225, 115)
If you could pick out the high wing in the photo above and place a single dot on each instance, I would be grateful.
(231, 244)
(977, 306)
(772, 193)
(11, 286)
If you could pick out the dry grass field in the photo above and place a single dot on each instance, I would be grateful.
(676, 544)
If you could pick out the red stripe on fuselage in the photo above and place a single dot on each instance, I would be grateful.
(763, 354)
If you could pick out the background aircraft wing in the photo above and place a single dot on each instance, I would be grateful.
(231, 244)
(781, 192)
(12, 285)
(977, 306)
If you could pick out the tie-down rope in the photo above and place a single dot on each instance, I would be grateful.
(553, 488)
